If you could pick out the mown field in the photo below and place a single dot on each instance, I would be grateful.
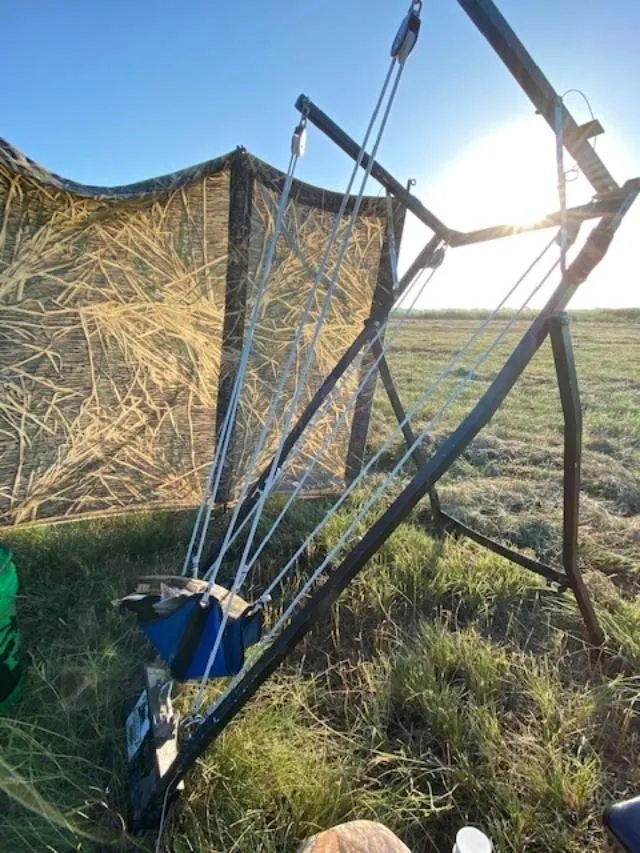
(449, 686)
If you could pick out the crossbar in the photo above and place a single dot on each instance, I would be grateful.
(606, 206)
(454, 525)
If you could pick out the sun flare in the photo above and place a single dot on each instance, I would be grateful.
(508, 176)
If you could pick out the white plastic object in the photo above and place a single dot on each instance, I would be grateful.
(472, 840)
(406, 37)
(299, 140)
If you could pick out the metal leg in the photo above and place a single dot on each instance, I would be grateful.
(570, 398)
(383, 299)
(417, 455)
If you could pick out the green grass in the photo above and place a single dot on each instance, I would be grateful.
(447, 686)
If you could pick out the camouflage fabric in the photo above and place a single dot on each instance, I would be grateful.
(113, 304)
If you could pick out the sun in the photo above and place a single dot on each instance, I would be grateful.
(507, 176)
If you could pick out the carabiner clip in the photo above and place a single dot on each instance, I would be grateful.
(299, 139)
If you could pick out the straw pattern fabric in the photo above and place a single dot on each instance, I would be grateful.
(112, 310)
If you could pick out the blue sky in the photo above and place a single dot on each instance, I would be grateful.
(114, 92)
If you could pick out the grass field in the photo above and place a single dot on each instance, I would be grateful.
(448, 687)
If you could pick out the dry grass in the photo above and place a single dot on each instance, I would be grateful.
(110, 316)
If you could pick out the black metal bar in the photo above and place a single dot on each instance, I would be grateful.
(239, 230)
(515, 56)
(455, 526)
(593, 210)
(409, 436)
(570, 397)
(322, 121)
(320, 602)
(418, 457)
(421, 261)
(383, 300)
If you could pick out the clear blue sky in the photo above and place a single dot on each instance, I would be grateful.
(110, 92)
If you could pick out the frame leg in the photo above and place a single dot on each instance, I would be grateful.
(568, 384)
(417, 456)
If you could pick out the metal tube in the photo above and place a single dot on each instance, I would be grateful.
(530, 78)
(336, 134)
(593, 210)
(547, 572)
(570, 398)
(417, 455)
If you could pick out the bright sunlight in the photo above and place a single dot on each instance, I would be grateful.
(507, 177)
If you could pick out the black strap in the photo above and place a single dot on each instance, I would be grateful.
(191, 638)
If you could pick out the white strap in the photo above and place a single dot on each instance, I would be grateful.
(205, 510)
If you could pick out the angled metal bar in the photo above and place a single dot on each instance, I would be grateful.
(336, 134)
(418, 457)
(544, 97)
(457, 527)
(565, 365)
(575, 215)
(369, 331)
(301, 623)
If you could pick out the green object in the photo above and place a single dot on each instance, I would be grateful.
(10, 661)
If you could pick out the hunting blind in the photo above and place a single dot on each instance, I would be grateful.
(221, 617)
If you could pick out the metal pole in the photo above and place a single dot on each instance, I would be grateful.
(418, 456)
(570, 397)
(337, 135)
(241, 182)
(383, 299)
(530, 78)
(574, 215)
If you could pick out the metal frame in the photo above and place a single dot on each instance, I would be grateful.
(609, 208)
(241, 188)
(383, 299)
